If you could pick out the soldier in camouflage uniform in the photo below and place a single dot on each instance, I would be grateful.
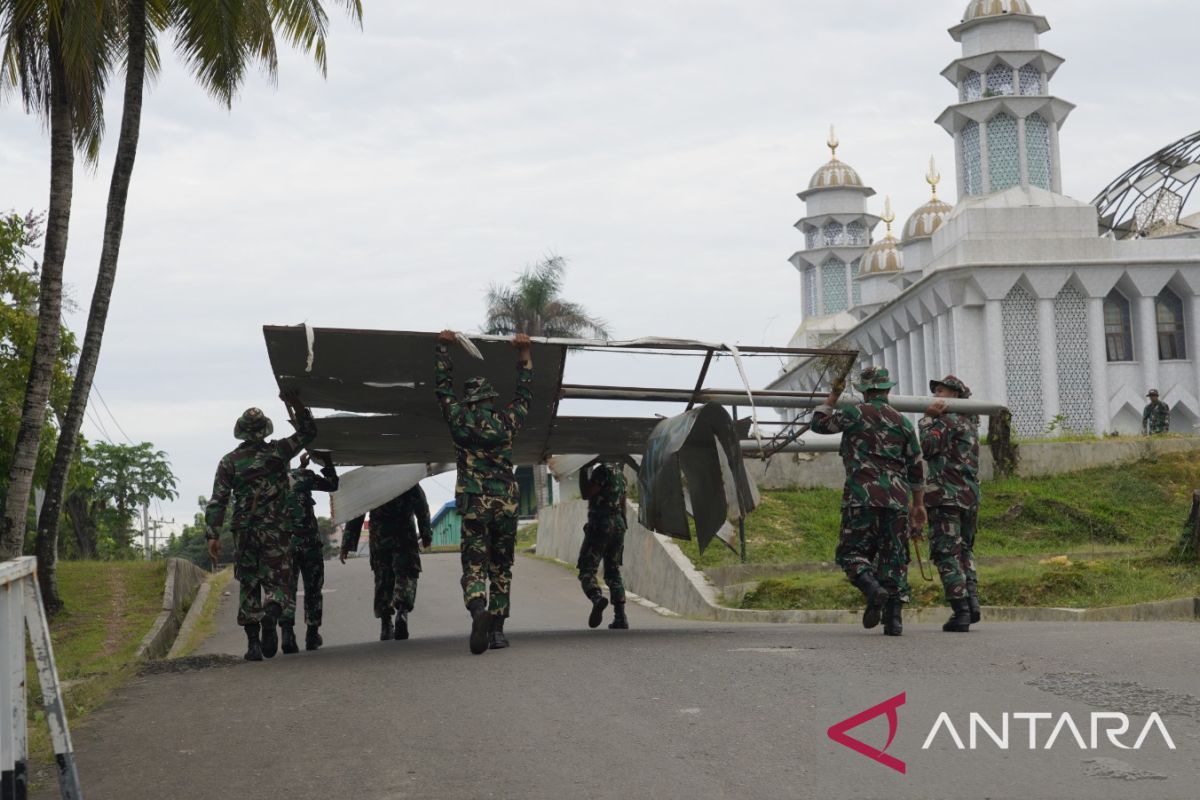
(255, 474)
(308, 553)
(395, 556)
(950, 444)
(603, 538)
(883, 497)
(486, 491)
(1156, 416)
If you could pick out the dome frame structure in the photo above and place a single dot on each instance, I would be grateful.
(1173, 171)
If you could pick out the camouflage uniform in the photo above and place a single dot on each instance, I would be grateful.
(604, 534)
(882, 457)
(255, 474)
(1156, 416)
(308, 551)
(950, 444)
(395, 549)
(486, 491)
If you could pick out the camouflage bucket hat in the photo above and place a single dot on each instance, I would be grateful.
(952, 383)
(1152, 393)
(874, 379)
(477, 390)
(253, 425)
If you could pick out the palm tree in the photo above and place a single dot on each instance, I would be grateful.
(55, 55)
(532, 305)
(218, 41)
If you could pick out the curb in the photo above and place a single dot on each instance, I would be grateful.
(182, 579)
(195, 612)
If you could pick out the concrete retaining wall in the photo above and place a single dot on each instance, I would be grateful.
(183, 580)
(824, 470)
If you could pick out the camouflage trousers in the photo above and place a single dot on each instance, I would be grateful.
(308, 562)
(489, 540)
(263, 569)
(605, 542)
(397, 568)
(952, 548)
(875, 540)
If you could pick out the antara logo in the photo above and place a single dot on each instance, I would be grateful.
(838, 732)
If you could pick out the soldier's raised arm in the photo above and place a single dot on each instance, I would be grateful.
(350, 536)
(518, 409)
(443, 375)
(302, 419)
(829, 417)
(915, 472)
(327, 481)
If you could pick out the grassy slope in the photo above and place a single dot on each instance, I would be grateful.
(1120, 521)
(110, 607)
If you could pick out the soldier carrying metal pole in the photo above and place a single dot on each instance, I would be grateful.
(308, 553)
(603, 486)
(884, 494)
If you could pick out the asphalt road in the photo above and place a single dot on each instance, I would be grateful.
(670, 709)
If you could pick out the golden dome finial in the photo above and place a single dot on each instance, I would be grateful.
(888, 215)
(933, 177)
(833, 142)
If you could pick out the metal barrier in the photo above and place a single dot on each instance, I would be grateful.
(21, 608)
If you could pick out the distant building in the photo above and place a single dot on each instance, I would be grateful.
(1064, 311)
(447, 526)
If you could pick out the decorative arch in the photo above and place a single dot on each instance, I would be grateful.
(1073, 358)
(1022, 360)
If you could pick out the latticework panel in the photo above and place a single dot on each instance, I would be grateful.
(835, 293)
(833, 232)
(855, 286)
(1022, 361)
(856, 233)
(1004, 156)
(972, 156)
(1031, 80)
(809, 279)
(811, 238)
(972, 87)
(999, 80)
(1074, 359)
(1037, 150)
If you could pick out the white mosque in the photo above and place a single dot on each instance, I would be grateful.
(1067, 312)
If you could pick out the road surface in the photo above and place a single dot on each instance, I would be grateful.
(670, 709)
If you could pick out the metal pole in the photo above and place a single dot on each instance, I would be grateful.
(742, 537)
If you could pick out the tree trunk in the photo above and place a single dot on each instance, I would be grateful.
(85, 538)
(89, 355)
(45, 350)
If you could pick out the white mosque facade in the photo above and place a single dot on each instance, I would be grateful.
(1017, 289)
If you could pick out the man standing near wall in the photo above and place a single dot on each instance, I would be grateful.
(950, 444)
(395, 556)
(884, 494)
(486, 491)
(308, 553)
(603, 486)
(1156, 416)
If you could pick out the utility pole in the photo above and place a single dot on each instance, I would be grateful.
(155, 524)
(146, 532)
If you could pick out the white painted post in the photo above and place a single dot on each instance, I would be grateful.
(1048, 351)
(1098, 351)
(1147, 343)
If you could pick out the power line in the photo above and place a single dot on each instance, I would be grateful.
(96, 390)
(95, 420)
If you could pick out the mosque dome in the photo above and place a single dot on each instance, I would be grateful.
(884, 256)
(978, 9)
(929, 217)
(836, 174)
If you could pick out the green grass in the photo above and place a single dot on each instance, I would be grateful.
(109, 608)
(1126, 513)
(206, 625)
(526, 537)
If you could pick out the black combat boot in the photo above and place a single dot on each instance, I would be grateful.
(599, 603)
(401, 624)
(386, 631)
(496, 638)
(973, 602)
(620, 621)
(960, 620)
(481, 623)
(253, 647)
(893, 621)
(287, 638)
(875, 596)
(312, 638)
(270, 636)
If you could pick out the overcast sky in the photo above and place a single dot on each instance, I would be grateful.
(657, 145)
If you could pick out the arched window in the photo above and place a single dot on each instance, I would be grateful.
(1168, 311)
(1037, 150)
(972, 87)
(809, 281)
(972, 159)
(834, 292)
(833, 234)
(856, 233)
(1004, 159)
(999, 81)
(810, 238)
(1118, 332)
(1031, 80)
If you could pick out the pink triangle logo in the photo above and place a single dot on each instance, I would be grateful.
(838, 732)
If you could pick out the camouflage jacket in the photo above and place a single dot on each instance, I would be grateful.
(950, 444)
(483, 435)
(880, 451)
(1156, 418)
(607, 506)
(301, 521)
(255, 474)
(392, 522)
